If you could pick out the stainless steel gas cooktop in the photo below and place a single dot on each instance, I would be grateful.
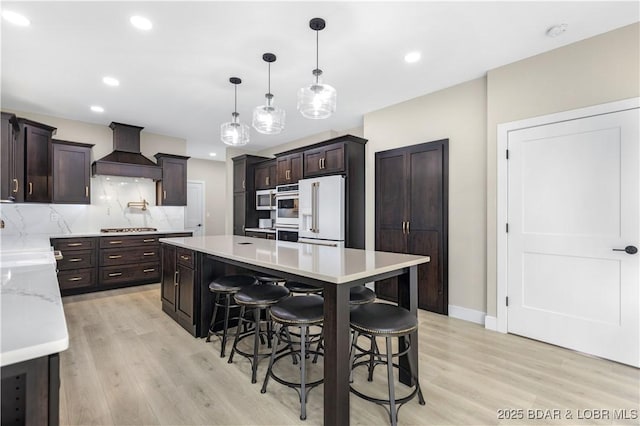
(105, 230)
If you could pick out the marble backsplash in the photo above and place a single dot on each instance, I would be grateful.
(108, 209)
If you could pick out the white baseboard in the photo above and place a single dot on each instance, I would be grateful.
(491, 323)
(467, 314)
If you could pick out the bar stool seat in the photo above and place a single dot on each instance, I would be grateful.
(223, 288)
(259, 299)
(269, 279)
(388, 321)
(302, 312)
(302, 288)
(360, 295)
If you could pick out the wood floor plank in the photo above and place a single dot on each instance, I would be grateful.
(129, 363)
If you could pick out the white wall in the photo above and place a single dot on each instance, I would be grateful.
(213, 173)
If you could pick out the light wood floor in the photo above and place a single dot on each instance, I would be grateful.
(129, 364)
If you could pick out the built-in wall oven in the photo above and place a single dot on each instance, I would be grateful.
(266, 199)
(287, 212)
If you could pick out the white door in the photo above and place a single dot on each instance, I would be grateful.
(194, 213)
(573, 199)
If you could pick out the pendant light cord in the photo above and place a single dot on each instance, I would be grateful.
(317, 49)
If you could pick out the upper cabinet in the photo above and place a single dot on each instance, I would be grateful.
(172, 189)
(11, 181)
(265, 175)
(289, 168)
(70, 171)
(35, 138)
(326, 160)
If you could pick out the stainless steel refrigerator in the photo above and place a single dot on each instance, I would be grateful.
(322, 211)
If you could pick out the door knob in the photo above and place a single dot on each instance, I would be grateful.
(628, 249)
(199, 224)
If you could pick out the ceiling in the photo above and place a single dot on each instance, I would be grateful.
(174, 79)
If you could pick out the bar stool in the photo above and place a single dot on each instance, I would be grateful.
(302, 312)
(223, 288)
(388, 321)
(302, 288)
(258, 298)
(268, 279)
(360, 295)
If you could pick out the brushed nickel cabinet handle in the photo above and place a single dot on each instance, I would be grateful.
(184, 257)
(175, 278)
(149, 240)
(115, 242)
(267, 180)
(74, 244)
(30, 188)
(86, 192)
(75, 279)
(15, 185)
(243, 184)
(115, 256)
(148, 253)
(148, 270)
(164, 193)
(319, 163)
(408, 227)
(115, 274)
(75, 259)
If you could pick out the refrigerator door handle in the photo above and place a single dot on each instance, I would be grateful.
(314, 207)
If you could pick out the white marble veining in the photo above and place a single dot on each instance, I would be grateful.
(32, 322)
(108, 209)
(331, 264)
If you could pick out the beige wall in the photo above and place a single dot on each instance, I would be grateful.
(601, 69)
(459, 114)
(213, 174)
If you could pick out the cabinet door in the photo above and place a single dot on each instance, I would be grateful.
(239, 175)
(296, 167)
(168, 289)
(333, 159)
(430, 290)
(272, 175)
(391, 240)
(174, 182)
(313, 162)
(262, 177)
(37, 163)
(70, 174)
(184, 304)
(239, 212)
(283, 167)
(7, 143)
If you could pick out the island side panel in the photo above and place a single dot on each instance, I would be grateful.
(408, 299)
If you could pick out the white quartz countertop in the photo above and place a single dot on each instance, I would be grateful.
(32, 322)
(331, 264)
(113, 234)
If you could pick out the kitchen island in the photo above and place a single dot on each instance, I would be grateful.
(334, 269)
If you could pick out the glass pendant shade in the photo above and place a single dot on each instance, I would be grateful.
(268, 119)
(234, 133)
(317, 101)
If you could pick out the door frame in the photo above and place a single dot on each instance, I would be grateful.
(204, 203)
(502, 188)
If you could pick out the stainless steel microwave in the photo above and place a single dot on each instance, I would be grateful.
(266, 199)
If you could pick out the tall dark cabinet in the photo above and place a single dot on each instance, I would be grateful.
(172, 189)
(411, 187)
(10, 181)
(245, 214)
(36, 140)
(70, 171)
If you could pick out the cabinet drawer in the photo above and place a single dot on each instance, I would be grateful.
(123, 256)
(77, 259)
(149, 272)
(77, 279)
(185, 257)
(67, 244)
(128, 241)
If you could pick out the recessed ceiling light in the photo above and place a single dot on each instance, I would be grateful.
(212, 154)
(97, 108)
(15, 18)
(110, 81)
(412, 57)
(141, 22)
(557, 30)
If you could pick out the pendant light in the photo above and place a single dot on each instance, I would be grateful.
(268, 119)
(317, 100)
(234, 133)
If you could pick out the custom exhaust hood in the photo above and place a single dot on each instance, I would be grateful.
(126, 159)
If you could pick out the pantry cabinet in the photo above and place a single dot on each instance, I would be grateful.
(245, 214)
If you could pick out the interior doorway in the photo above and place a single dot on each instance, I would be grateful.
(194, 214)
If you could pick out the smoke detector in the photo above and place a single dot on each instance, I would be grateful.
(557, 30)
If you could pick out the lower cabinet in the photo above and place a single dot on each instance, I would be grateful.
(258, 234)
(178, 289)
(77, 270)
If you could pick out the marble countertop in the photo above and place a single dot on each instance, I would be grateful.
(331, 264)
(32, 322)
(111, 234)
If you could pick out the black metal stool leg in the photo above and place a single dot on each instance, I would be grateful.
(216, 302)
(392, 398)
(271, 360)
(256, 340)
(374, 351)
(413, 369)
(225, 329)
(235, 341)
(303, 372)
(352, 355)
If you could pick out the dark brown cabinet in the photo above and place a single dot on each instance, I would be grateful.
(70, 171)
(172, 189)
(265, 175)
(289, 168)
(326, 160)
(77, 270)
(263, 235)
(36, 138)
(11, 162)
(411, 187)
(178, 289)
(245, 214)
